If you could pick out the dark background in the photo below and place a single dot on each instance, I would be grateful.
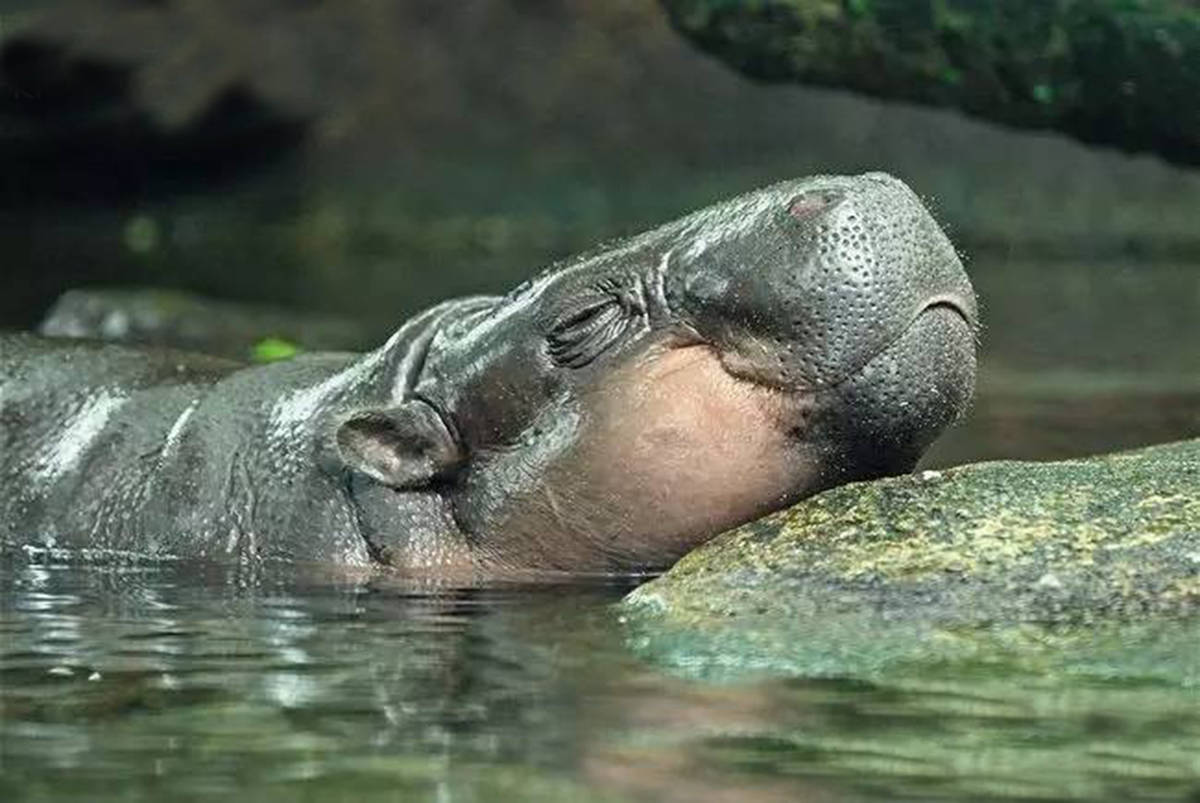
(368, 157)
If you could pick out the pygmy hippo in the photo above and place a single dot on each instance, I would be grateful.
(606, 416)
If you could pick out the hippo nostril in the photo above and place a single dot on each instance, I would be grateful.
(808, 205)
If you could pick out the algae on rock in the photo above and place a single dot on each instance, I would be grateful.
(1004, 558)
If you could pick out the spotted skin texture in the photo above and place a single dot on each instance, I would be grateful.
(606, 416)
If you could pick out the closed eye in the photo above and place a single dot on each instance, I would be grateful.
(583, 335)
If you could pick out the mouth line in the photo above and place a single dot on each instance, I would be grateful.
(951, 302)
(946, 301)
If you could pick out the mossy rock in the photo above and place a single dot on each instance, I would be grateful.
(1007, 559)
(1110, 72)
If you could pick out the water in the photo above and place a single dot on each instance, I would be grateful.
(128, 682)
(123, 682)
(132, 681)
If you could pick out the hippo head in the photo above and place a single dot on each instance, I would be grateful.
(629, 404)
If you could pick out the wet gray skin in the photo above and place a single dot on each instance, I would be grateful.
(609, 415)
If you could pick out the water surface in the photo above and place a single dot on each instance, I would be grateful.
(136, 682)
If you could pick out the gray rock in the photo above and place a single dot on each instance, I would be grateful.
(176, 319)
(1012, 558)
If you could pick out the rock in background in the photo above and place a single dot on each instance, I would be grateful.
(1104, 71)
(174, 319)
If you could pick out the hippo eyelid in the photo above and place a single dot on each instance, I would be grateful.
(583, 335)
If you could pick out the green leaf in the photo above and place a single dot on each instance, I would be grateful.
(273, 349)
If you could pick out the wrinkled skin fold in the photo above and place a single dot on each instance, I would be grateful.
(606, 416)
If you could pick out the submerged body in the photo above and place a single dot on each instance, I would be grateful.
(607, 416)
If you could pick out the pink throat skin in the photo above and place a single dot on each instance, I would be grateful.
(671, 450)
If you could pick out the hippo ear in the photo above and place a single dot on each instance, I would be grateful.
(404, 447)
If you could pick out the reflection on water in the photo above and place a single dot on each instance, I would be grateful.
(118, 679)
(141, 682)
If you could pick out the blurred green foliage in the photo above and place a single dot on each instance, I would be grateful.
(273, 349)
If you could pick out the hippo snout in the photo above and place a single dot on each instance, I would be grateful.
(821, 275)
(887, 320)
(859, 272)
(845, 290)
(881, 419)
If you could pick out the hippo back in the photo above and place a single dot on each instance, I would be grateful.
(70, 414)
